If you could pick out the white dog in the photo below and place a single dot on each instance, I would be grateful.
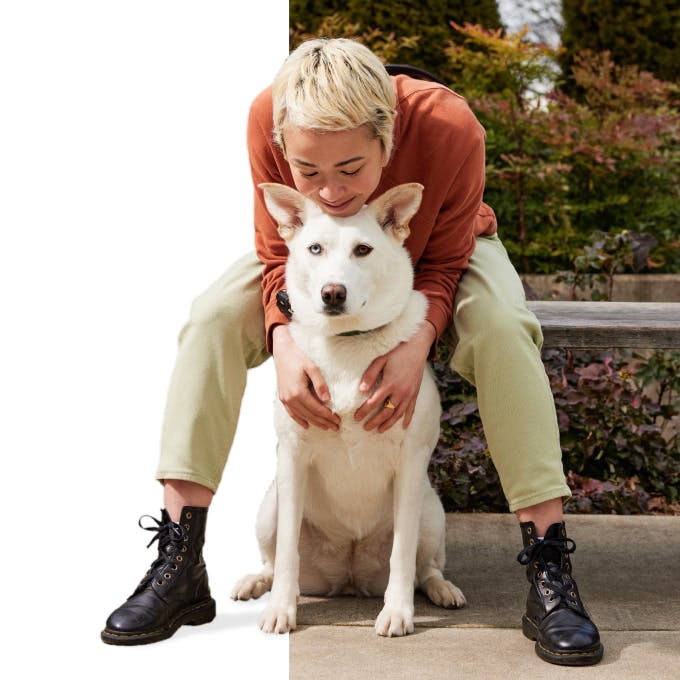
(351, 512)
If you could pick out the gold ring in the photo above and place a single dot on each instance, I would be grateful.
(388, 404)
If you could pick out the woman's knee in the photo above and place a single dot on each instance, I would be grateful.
(497, 322)
(231, 306)
(234, 297)
(226, 308)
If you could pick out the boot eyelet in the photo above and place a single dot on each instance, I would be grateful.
(160, 583)
(542, 584)
(188, 515)
(547, 592)
(167, 576)
(530, 530)
(184, 548)
(179, 558)
(536, 565)
(531, 541)
(572, 594)
(175, 567)
(186, 538)
(552, 599)
(187, 527)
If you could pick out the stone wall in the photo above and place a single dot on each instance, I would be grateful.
(627, 288)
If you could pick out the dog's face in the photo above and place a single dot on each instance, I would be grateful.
(346, 273)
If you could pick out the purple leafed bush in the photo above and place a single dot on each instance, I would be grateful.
(618, 428)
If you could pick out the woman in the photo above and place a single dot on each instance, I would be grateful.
(344, 132)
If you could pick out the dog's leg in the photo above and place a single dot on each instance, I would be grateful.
(396, 617)
(291, 481)
(255, 585)
(431, 555)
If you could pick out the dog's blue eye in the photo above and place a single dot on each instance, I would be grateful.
(362, 250)
(315, 249)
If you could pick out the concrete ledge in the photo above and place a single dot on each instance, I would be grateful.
(609, 324)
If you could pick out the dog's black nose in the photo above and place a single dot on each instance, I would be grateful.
(334, 295)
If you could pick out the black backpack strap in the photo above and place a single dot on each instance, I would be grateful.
(413, 72)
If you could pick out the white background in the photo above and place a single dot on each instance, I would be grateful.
(124, 191)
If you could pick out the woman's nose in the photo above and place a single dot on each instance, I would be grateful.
(332, 192)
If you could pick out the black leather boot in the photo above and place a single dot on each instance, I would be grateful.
(555, 617)
(174, 592)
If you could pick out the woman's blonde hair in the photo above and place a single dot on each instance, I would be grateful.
(334, 84)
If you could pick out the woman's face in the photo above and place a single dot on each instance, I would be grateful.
(337, 170)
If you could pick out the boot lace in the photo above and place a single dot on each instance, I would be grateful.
(170, 537)
(556, 574)
(167, 533)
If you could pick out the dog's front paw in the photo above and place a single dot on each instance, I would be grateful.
(393, 622)
(443, 593)
(278, 619)
(251, 586)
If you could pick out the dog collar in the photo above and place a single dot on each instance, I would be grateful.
(350, 333)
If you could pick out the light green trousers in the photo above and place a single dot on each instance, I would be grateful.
(496, 346)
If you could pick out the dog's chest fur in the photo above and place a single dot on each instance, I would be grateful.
(349, 491)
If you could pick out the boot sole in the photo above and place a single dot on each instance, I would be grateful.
(195, 615)
(586, 657)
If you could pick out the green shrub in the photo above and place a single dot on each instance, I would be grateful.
(388, 47)
(636, 32)
(558, 169)
(425, 24)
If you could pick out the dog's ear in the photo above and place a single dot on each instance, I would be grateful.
(395, 208)
(285, 205)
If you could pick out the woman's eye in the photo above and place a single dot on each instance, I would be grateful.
(351, 174)
(310, 174)
(315, 249)
(362, 250)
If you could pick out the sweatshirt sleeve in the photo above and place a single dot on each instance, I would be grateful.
(452, 240)
(453, 173)
(267, 165)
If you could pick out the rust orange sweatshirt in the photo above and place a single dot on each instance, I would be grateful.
(437, 142)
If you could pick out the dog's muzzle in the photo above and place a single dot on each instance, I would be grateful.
(334, 296)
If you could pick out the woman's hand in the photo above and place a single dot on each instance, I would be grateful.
(402, 372)
(301, 387)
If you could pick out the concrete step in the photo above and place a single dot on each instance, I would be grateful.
(627, 569)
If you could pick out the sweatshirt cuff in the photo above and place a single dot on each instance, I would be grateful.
(440, 319)
(273, 317)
